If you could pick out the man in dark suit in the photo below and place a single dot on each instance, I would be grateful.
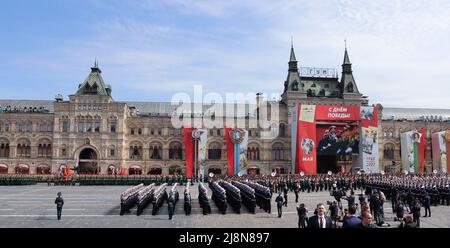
(352, 220)
(320, 220)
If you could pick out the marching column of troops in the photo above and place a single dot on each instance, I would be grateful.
(408, 193)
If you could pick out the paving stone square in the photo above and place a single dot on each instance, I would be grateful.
(99, 207)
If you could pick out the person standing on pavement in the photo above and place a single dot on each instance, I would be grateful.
(415, 209)
(279, 200)
(320, 220)
(286, 190)
(171, 205)
(296, 191)
(59, 205)
(302, 216)
(427, 204)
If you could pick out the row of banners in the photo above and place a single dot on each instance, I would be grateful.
(324, 130)
(195, 141)
(328, 130)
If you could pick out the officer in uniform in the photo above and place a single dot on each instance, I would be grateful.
(279, 200)
(285, 196)
(296, 191)
(59, 205)
(187, 201)
(427, 204)
(171, 205)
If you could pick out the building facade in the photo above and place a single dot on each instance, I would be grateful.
(92, 133)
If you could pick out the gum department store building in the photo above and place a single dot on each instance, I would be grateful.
(96, 134)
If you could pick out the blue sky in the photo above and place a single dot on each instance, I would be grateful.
(149, 50)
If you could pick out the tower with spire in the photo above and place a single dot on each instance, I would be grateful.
(94, 84)
(348, 87)
(293, 82)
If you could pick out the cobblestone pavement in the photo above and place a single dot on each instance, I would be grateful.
(99, 206)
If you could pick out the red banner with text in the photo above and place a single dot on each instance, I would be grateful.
(337, 113)
(306, 158)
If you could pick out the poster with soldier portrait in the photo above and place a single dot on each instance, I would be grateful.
(413, 150)
(369, 139)
(439, 147)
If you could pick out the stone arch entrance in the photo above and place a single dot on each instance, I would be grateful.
(155, 171)
(88, 162)
(253, 171)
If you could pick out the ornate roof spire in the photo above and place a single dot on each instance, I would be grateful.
(96, 68)
(292, 58)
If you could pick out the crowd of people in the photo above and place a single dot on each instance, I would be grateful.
(407, 193)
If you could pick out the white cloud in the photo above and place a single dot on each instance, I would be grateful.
(396, 46)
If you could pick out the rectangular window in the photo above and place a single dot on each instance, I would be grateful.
(132, 131)
(140, 131)
(88, 127)
(50, 127)
(111, 153)
(113, 127)
(97, 127)
(65, 126)
(159, 131)
(41, 127)
(6, 127)
(152, 131)
(63, 152)
(80, 127)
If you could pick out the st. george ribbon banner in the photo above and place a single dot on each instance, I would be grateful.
(441, 156)
(202, 151)
(413, 150)
(237, 140)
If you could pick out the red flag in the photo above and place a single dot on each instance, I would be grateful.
(230, 152)
(189, 151)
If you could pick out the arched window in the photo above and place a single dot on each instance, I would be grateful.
(282, 130)
(278, 152)
(155, 151)
(43, 169)
(175, 151)
(23, 148)
(350, 87)
(136, 151)
(214, 151)
(175, 170)
(253, 152)
(295, 86)
(44, 148)
(4, 148)
(389, 152)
